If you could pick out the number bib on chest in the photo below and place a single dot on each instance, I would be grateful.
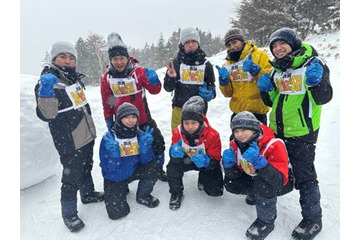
(291, 81)
(77, 95)
(237, 74)
(192, 74)
(246, 166)
(191, 151)
(128, 147)
(121, 87)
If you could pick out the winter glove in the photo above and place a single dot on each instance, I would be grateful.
(201, 160)
(47, 82)
(228, 159)
(314, 73)
(152, 76)
(112, 145)
(206, 94)
(146, 140)
(252, 156)
(109, 123)
(176, 150)
(264, 83)
(250, 66)
(223, 75)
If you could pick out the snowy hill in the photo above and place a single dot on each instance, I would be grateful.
(201, 217)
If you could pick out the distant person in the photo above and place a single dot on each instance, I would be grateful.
(189, 74)
(195, 146)
(256, 163)
(126, 154)
(296, 89)
(126, 81)
(61, 102)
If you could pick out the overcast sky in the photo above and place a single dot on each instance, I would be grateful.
(43, 22)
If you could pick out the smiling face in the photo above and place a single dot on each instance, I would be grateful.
(129, 120)
(119, 62)
(280, 49)
(243, 135)
(234, 45)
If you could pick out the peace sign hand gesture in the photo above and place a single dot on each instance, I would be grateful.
(171, 70)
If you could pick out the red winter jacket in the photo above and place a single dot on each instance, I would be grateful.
(209, 136)
(111, 104)
(276, 154)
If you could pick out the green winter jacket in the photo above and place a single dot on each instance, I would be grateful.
(296, 107)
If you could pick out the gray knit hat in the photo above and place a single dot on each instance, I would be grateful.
(188, 34)
(62, 47)
(245, 120)
(193, 109)
(232, 34)
(126, 109)
(287, 35)
(116, 46)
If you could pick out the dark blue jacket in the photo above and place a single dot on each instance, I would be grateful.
(121, 168)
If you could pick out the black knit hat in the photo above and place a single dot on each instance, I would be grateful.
(126, 109)
(193, 109)
(116, 47)
(287, 35)
(232, 34)
(245, 120)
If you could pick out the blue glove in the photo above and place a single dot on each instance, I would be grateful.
(47, 82)
(314, 73)
(264, 83)
(252, 156)
(112, 145)
(201, 159)
(228, 159)
(250, 66)
(109, 123)
(176, 150)
(146, 140)
(223, 75)
(152, 76)
(206, 94)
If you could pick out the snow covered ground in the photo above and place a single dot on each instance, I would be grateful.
(201, 217)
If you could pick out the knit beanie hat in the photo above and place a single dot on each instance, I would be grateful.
(116, 46)
(232, 34)
(193, 109)
(287, 35)
(62, 47)
(126, 109)
(188, 34)
(245, 120)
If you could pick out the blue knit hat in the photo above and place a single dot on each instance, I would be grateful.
(287, 35)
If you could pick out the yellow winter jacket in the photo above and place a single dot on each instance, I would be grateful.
(245, 95)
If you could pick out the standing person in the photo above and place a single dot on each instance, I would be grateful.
(126, 81)
(299, 85)
(256, 163)
(238, 78)
(62, 103)
(126, 154)
(195, 146)
(189, 74)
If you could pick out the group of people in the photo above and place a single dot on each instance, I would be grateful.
(265, 159)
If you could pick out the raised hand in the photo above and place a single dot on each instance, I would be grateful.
(264, 83)
(109, 123)
(111, 145)
(201, 159)
(228, 159)
(176, 150)
(250, 66)
(152, 76)
(252, 156)
(205, 93)
(223, 75)
(146, 140)
(47, 82)
(314, 73)
(171, 70)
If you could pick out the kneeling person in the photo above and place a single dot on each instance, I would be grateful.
(126, 154)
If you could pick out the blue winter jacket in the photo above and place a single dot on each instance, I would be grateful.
(121, 168)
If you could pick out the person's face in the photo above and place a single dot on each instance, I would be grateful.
(119, 62)
(191, 46)
(191, 126)
(65, 60)
(234, 45)
(281, 48)
(243, 135)
(129, 120)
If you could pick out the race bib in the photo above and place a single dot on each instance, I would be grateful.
(121, 87)
(291, 81)
(77, 95)
(192, 151)
(192, 74)
(128, 147)
(246, 166)
(237, 74)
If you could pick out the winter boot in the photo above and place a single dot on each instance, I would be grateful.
(162, 176)
(148, 201)
(250, 199)
(175, 201)
(93, 197)
(307, 230)
(73, 223)
(259, 230)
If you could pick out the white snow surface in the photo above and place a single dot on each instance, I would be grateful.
(201, 217)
